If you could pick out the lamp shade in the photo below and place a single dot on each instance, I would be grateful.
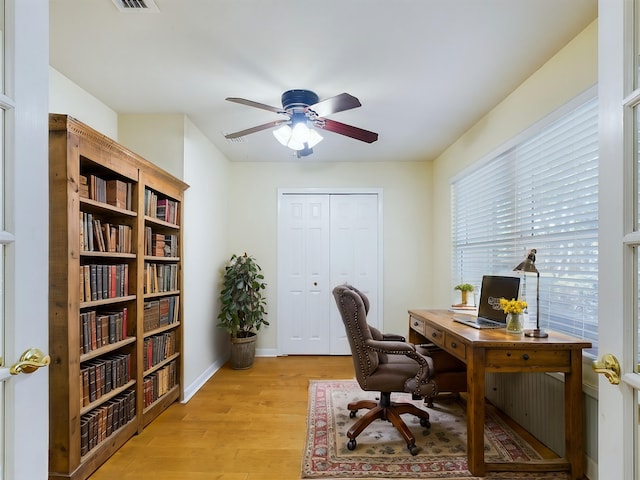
(528, 265)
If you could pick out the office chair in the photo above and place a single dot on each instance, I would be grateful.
(383, 363)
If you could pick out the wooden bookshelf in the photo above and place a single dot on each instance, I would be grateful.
(111, 373)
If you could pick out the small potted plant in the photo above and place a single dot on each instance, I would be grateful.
(464, 288)
(243, 307)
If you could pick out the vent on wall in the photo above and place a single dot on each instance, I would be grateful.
(136, 5)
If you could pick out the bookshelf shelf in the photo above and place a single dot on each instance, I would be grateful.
(99, 387)
(106, 397)
(106, 349)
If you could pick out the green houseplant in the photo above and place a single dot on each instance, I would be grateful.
(464, 288)
(242, 307)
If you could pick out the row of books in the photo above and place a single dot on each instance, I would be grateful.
(158, 348)
(102, 375)
(160, 245)
(160, 277)
(100, 281)
(114, 192)
(96, 236)
(98, 425)
(161, 312)
(161, 208)
(98, 329)
(159, 383)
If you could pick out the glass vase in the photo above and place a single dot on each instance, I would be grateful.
(515, 323)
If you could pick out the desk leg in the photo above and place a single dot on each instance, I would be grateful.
(475, 412)
(573, 416)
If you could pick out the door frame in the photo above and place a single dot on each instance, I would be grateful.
(617, 404)
(336, 191)
(27, 218)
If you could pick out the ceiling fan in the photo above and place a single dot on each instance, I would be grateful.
(303, 110)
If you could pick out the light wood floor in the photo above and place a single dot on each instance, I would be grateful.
(242, 425)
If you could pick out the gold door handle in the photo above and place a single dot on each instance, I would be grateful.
(30, 361)
(609, 366)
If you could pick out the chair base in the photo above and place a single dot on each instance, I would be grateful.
(385, 409)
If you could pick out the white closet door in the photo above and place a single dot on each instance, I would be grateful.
(303, 280)
(354, 257)
(324, 240)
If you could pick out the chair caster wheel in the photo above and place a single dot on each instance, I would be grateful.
(413, 449)
(351, 444)
(425, 423)
(352, 413)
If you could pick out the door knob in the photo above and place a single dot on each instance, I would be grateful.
(30, 361)
(609, 366)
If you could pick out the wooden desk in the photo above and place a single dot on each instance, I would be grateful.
(497, 351)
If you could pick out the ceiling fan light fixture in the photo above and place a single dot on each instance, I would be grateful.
(283, 134)
(300, 133)
(300, 137)
(314, 138)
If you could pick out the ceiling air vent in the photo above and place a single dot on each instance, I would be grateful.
(136, 5)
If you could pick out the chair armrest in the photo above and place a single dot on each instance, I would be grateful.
(392, 337)
(390, 347)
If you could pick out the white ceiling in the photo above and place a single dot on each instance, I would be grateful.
(424, 70)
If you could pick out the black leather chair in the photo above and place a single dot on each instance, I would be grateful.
(383, 363)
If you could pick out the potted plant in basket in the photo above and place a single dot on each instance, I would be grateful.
(464, 288)
(243, 307)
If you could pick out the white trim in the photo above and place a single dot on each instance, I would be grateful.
(201, 380)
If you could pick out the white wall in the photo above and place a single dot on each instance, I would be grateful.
(206, 170)
(174, 143)
(406, 216)
(67, 98)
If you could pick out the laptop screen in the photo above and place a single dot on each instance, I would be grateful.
(493, 288)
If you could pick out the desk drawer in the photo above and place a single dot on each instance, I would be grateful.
(542, 360)
(417, 325)
(455, 347)
(434, 335)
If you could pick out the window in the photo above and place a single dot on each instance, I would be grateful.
(540, 193)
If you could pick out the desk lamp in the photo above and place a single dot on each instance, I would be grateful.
(528, 265)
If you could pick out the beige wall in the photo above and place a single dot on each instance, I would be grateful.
(406, 218)
(570, 72)
(157, 137)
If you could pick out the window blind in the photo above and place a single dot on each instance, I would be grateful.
(541, 193)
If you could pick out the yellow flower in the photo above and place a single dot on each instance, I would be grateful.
(513, 305)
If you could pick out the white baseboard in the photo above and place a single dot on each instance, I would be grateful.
(191, 390)
(266, 352)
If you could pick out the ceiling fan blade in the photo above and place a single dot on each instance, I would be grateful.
(347, 130)
(258, 128)
(336, 104)
(251, 103)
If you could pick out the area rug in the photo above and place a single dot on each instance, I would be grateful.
(381, 451)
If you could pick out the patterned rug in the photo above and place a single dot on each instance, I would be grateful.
(382, 453)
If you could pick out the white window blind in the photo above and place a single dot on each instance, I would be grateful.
(543, 194)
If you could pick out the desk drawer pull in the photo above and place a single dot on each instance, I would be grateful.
(525, 356)
(434, 334)
(454, 344)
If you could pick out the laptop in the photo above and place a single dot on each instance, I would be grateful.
(490, 314)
